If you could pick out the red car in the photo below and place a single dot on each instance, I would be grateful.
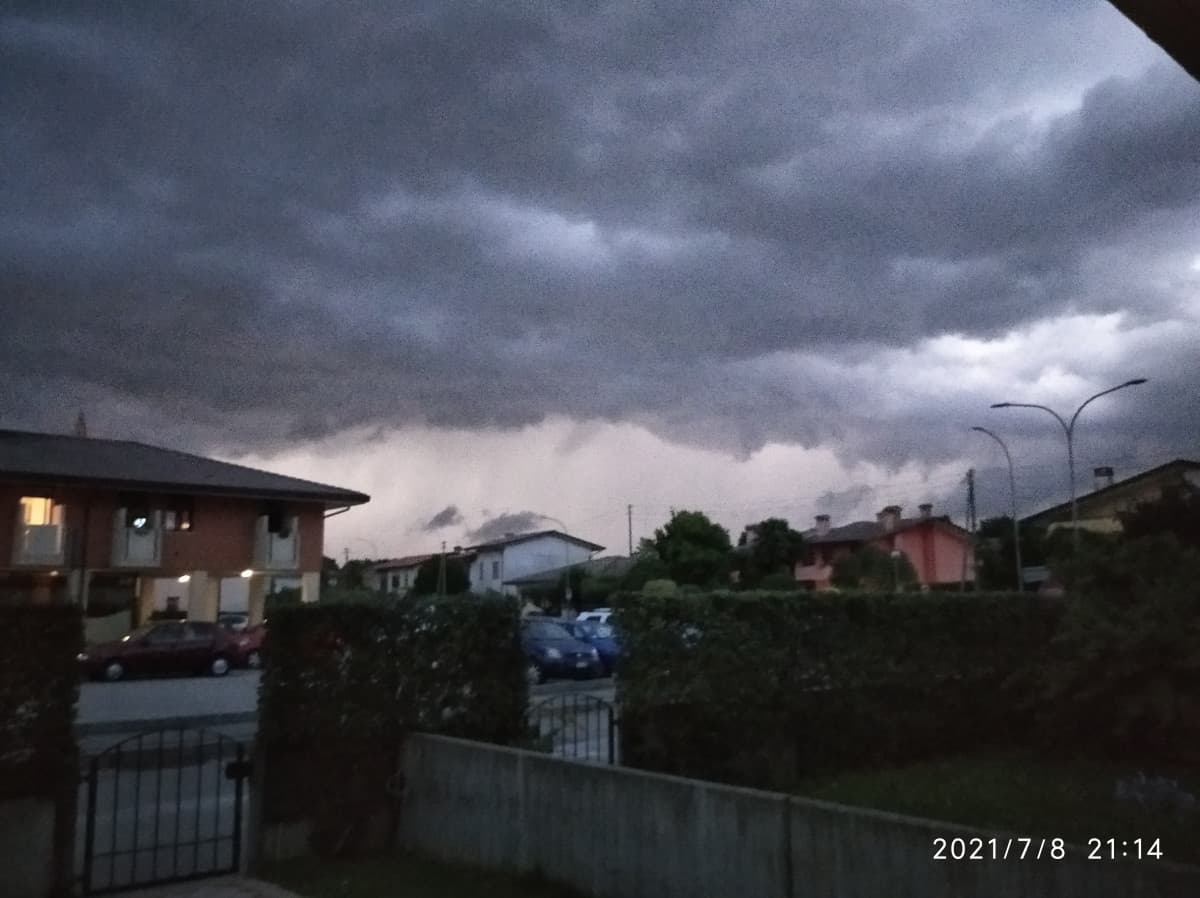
(249, 644)
(167, 647)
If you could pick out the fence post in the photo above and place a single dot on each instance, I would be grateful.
(789, 874)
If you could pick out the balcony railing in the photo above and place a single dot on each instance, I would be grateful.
(137, 547)
(39, 544)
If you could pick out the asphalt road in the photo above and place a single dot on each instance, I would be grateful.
(235, 693)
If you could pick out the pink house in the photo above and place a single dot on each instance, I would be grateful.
(940, 551)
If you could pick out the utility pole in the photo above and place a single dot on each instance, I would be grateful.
(629, 514)
(970, 526)
(346, 555)
(441, 584)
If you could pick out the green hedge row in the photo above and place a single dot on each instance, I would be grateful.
(763, 688)
(39, 688)
(344, 682)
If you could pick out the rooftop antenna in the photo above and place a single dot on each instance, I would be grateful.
(81, 425)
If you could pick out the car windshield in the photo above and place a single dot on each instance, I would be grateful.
(546, 630)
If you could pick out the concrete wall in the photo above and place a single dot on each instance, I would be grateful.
(26, 848)
(620, 833)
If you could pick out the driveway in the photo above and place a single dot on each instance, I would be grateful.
(235, 693)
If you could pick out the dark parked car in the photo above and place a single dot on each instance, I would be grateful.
(601, 637)
(553, 652)
(168, 647)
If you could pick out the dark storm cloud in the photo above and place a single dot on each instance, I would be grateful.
(506, 524)
(241, 225)
(449, 516)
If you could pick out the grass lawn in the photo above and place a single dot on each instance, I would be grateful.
(1020, 794)
(403, 876)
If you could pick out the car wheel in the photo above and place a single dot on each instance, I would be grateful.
(534, 674)
(114, 670)
(218, 667)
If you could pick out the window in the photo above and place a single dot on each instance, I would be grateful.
(395, 581)
(165, 634)
(179, 515)
(37, 511)
(495, 570)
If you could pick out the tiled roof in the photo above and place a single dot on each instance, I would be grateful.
(863, 531)
(1180, 465)
(537, 534)
(124, 464)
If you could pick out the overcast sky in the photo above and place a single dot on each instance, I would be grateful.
(515, 265)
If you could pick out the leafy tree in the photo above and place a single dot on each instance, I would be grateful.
(772, 550)
(354, 573)
(995, 553)
(695, 549)
(647, 566)
(871, 569)
(1177, 513)
(458, 580)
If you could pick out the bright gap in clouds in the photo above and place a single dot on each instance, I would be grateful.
(585, 473)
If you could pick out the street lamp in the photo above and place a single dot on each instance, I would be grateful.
(1070, 431)
(1012, 491)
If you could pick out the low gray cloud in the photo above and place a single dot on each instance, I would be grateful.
(502, 525)
(272, 225)
(447, 517)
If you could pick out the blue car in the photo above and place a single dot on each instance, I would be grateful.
(601, 637)
(551, 651)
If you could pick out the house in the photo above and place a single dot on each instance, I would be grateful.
(614, 566)
(518, 555)
(1100, 510)
(399, 575)
(941, 552)
(133, 527)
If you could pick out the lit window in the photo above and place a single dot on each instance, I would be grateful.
(38, 512)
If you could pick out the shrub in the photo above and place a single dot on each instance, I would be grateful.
(346, 681)
(1123, 675)
(760, 689)
(39, 687)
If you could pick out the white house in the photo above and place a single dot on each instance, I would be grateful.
(397, 575)
(518, 555)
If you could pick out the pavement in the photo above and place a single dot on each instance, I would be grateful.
(219, 887)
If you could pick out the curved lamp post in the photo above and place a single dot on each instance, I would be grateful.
(1069, 428)
(1012, 491)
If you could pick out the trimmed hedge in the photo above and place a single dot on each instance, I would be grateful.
(344, 682)
(764, 688)
(39, 688)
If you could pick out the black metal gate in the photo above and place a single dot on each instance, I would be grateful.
(578, 726)
(163, 806)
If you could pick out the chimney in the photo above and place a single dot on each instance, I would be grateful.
(509, 535)
(889, 517)
(458, 550)
(822, 525)
(1104, 476)
(80, 425)
(926, 509)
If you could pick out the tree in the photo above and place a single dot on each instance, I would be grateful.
(772, 549)
(1176, 513)
(354, 573)
(997, 562)
(695, 550)
(458, 580)
(872, 569)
